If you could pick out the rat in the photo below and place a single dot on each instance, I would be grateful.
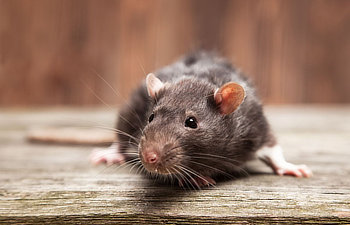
(193, 121)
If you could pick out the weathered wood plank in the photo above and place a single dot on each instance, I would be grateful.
(46, 183)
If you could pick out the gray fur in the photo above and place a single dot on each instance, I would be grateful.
(191, 83)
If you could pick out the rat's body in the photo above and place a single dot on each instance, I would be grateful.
(196, 119)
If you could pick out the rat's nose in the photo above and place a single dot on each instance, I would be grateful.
(151, 157)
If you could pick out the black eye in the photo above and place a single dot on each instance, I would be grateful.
(191, 122)
(151, 117)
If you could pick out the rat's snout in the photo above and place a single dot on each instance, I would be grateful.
(150, 156)
(158, 157)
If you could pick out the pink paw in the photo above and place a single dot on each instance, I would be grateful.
(108, 155)
(293, 170)
(197, 182)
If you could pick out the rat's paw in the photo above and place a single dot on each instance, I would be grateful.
(293, 170)
(106, 155)
(274, 158)
(204, 181)
(197, 182)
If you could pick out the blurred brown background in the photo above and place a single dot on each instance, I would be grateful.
(296, 51)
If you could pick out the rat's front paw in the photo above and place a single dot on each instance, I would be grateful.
(108, 155)
(197, 182)
(294, 170)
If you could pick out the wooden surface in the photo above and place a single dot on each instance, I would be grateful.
(50, 183)
(296, 51)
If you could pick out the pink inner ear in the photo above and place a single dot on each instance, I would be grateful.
(229, 97)
(153, 85)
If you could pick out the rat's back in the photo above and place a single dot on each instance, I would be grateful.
(202, 65)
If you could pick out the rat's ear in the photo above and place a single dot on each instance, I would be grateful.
(228, 97)
(153, 84)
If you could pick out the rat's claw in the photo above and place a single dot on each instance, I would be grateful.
(204, 181)
(274, 158)
(109, 156)
(293, 170)
(197, 182)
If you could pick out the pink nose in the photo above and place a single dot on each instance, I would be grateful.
(151, 157)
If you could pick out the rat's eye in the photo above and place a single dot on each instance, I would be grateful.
(151, 117)
(191, 122)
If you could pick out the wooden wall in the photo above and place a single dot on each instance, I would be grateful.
(297, 51)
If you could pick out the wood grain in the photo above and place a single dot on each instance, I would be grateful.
(42, 183)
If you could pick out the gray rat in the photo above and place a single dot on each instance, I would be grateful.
(193, 121)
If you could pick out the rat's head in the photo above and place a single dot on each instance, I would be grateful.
(188, 118)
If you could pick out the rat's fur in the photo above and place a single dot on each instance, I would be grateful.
(221, 143)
